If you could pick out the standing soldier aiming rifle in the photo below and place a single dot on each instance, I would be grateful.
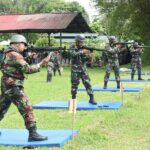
(110, 57)
(14, 68)
(78, 69)
(136, 62)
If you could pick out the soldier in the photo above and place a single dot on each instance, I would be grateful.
(110, 57)
(50, 67)
(14, 68)
(78, 69)
(49, 71)
(56, 62)
(136, 62)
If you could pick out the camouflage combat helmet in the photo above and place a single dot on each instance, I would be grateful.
(135, 45)
(18, 38)
(80, 38)
(112, 39)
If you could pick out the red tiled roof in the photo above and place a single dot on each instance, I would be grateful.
(47, 22)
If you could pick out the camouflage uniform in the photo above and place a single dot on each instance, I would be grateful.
(50, 67)
(49, 71)
(110, 57)
(78, 70)
(136, 62)
(79, 58)
(56, 62)
(12, 91)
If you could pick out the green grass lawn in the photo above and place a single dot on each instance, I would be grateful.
(125, 129)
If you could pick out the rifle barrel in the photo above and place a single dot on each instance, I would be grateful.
(143, 46)
(93, 48)
(88, 48)
(50, 49)
(123, 43)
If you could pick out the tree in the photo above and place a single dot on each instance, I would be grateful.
(38, 6)
(127, 19)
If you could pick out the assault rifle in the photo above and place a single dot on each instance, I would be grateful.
(123, 43)
(42, 49)
(91, 49)
(52, 49)
(143, 47)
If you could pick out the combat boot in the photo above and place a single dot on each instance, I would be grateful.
(132, 76)
(73, 96)
(139, 76)
(118, 84)
(105, 85)
(34, 136)
(92, 101)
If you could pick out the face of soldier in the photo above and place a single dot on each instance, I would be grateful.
(20, 47)
(79, 43)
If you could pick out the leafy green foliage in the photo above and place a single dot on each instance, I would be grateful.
(126, 19)
(38, 6)
(41, 42)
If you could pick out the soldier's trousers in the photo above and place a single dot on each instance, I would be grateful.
(49, 75)
(55, 69)
(136, 65)
(109, 68)
(75, 80)
(15, 95)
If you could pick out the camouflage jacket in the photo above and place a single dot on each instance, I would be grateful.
(55, 58)
(79, 60)
(110, 55)
(136, 53)
(15, 67)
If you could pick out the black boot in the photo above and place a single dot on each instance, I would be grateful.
(118, 84)
(132, 76)
(105, 85)
(92, 101)
(139, 76)
(73, 96)
(34, 136)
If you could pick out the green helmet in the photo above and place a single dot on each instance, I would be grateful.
(80, 38)
(112, 39)
(135, 45)
(18, 38)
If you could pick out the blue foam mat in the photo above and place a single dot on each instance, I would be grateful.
(19, 137)
(112, 89)
(129, 80)
(80, 105)
(143, 73)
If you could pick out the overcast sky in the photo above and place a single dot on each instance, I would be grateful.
(88, 7)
